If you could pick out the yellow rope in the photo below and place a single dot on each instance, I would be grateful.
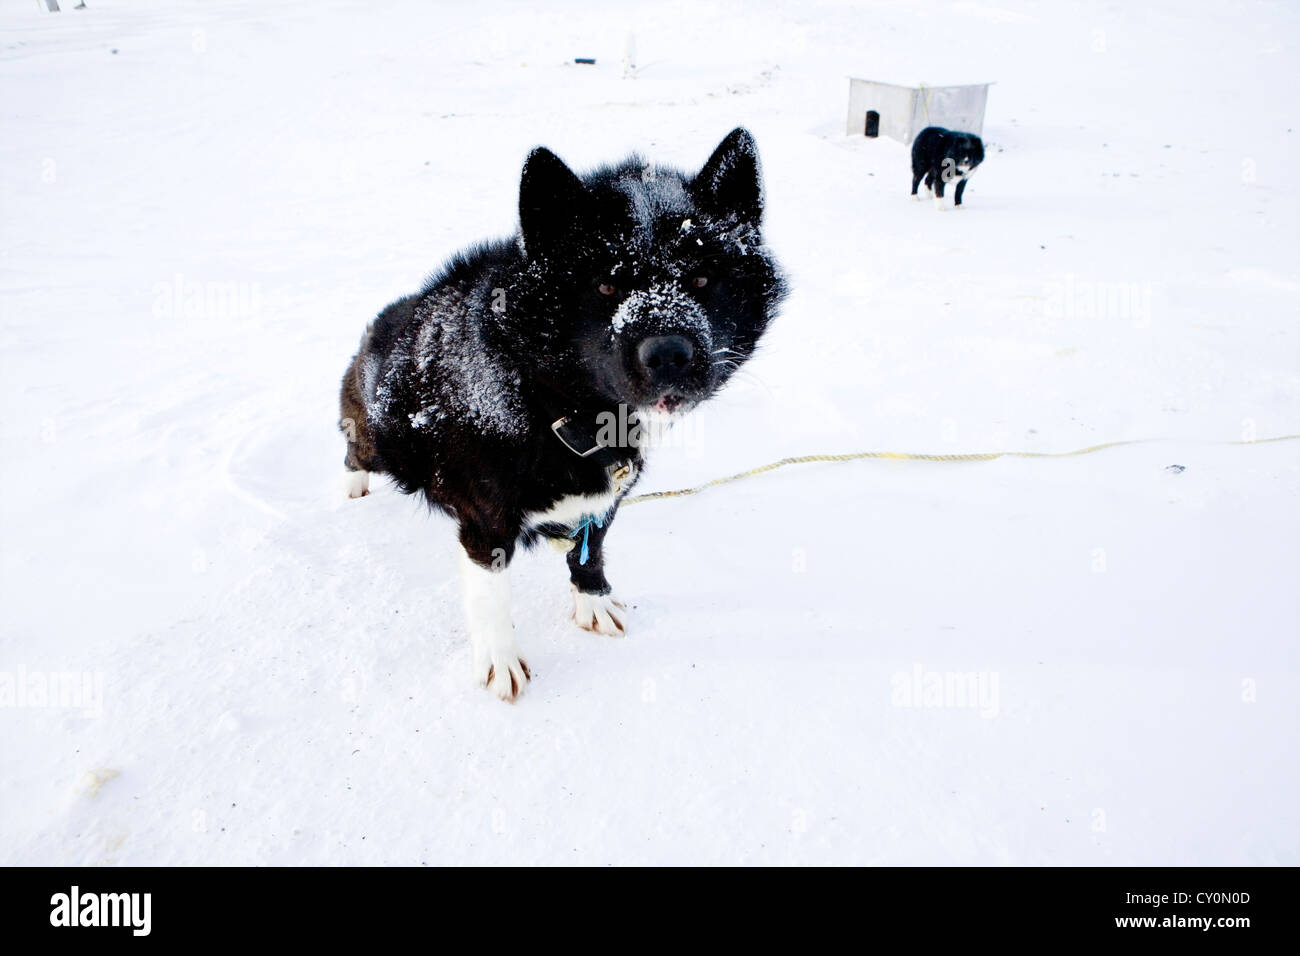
(910, 456)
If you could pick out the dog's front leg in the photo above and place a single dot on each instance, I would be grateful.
(594, 606)
(485, 583)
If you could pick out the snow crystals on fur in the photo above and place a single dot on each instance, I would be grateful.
(453, 374)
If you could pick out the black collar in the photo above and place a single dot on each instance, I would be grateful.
(580, 434)
(579, 428)
(577, 436)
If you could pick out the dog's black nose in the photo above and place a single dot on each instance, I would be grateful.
(664, 359)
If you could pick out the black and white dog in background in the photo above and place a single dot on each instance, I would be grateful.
(941, 156)
(510, 391)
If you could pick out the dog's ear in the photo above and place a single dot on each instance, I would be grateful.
(730, 181)
(552, 201)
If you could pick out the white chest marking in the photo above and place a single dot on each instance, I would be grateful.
(571, 509)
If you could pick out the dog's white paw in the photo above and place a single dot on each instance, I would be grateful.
(356, 483)
(599, 613)
(494, 654)
(503, 672)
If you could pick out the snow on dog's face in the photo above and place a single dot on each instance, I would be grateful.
(655, 286)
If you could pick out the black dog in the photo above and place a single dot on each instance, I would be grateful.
(941, 156)
(512, 392)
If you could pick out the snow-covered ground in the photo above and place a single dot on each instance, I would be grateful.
(203, 204)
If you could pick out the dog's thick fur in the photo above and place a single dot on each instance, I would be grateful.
(633, 291)
(941, 156)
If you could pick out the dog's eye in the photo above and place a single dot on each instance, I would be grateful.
(700, 281)
(606, 289)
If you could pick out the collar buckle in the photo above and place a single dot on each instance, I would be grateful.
(560, 424)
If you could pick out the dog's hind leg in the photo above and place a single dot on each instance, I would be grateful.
(916, 181)
(360, 459)
(938, 192)
(594, 606)
(356, 481)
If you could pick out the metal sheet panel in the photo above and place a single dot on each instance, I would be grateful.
(906, 110)
(952, 107)
(895, 104)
